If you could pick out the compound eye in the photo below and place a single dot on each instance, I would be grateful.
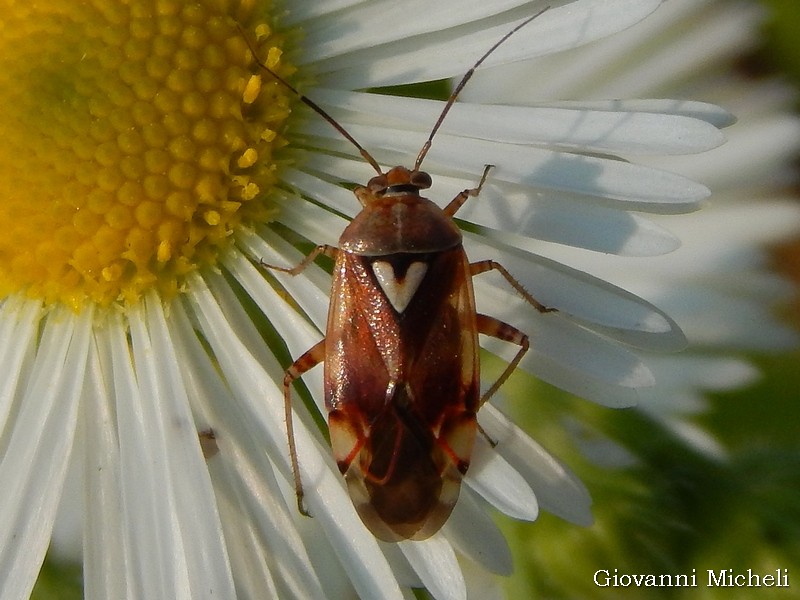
(378, 184)
(421, 180)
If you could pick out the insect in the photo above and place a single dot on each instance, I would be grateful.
(401, 375)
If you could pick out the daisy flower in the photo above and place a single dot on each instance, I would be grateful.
(150, 167)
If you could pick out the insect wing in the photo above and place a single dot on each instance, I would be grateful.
(401, 386)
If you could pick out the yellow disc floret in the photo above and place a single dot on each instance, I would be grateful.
(136, 138)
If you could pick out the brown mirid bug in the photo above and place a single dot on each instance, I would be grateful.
(401, 347)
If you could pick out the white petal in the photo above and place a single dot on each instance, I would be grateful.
(66, 538)
(195, 504)
(245, 482)
(312, 290)
(710, 113)
(292, 328)
(474, 534)
(250, 559)
(441, 53)
(557, 489)
(520, 217)
(19, 319)
(717, 317)
(435, 563)
(106, 569)
(697, 372)
(673, 399)
(154, 544)
(574, 127)
(329, 570)
(590, 356)
(315, 223)
(331, 194)
(303, 10)
(579, 362)
(702, 268)
(754, 151)
(37, 449)
(402, 569)
(595, 390)
(335, 168)
(597, 447)
(295, 331)
(697, 438)
(604, 69)
(356, 29)
(499, 483)
(481, 585)
(539, 168)
(585, 299)
(706, 37)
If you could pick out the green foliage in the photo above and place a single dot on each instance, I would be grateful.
(58, 582)
(783, 36)
(675, 510)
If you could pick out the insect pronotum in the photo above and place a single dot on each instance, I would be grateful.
(401, 347)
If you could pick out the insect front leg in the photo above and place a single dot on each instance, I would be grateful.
(459, 200)
(329, 251)
(307, 360)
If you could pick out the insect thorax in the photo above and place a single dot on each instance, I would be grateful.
(399, 223)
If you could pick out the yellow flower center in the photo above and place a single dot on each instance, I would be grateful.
(136, 138)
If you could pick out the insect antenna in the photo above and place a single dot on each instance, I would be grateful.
(311, 104)
(467, 76)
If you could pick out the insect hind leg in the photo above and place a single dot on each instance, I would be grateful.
(308, 360)
(482, 266)
(508, 333)
(503, 331)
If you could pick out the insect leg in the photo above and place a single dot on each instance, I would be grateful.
(459, 200)
(309, 359)
(329, 251)
(502, 331)
(482, 266)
